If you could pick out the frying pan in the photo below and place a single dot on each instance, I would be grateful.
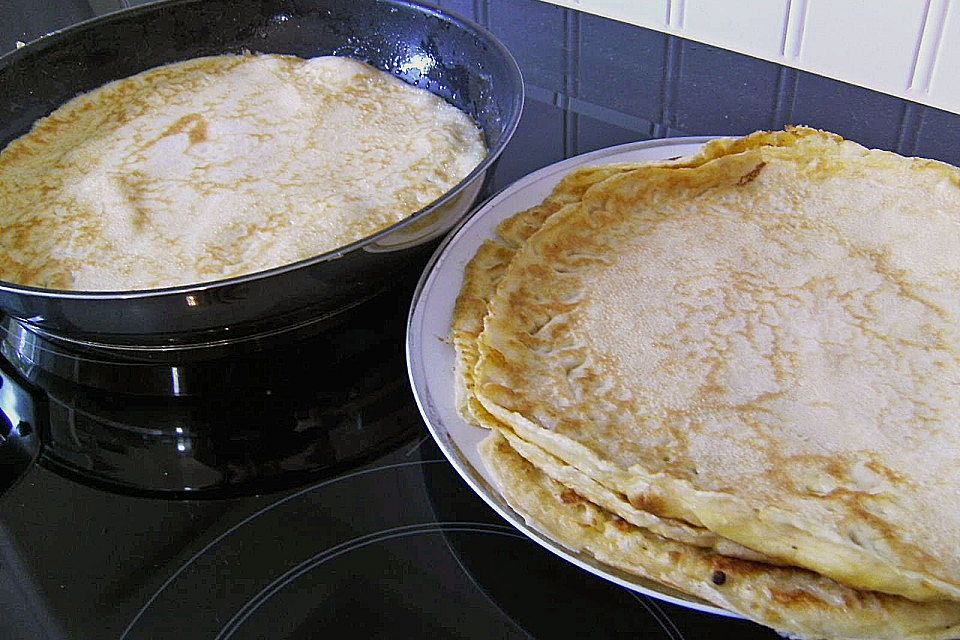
(440, 52)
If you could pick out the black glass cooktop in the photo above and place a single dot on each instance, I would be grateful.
(294, 492)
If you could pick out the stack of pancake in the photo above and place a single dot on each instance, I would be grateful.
(736, 374)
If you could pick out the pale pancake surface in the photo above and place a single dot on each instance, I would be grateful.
(765, 345)
(482, 274)
(794, 601)
(221, 166)
(484, 271)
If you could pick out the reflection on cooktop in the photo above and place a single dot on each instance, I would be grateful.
(266, 418)
(317, 557)
(420, 556)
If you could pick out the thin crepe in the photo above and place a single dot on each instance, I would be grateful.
(481, 276)
(794, 601)
(763, 345)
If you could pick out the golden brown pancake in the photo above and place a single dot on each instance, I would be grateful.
(483, 273)
(584, 486)
(221, 166)
(764, 345)
(794, 601)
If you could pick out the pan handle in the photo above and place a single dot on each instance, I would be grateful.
(19, 428)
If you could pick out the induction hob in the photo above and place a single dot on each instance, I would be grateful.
(330, 510)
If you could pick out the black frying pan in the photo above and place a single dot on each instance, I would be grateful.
(444, 54)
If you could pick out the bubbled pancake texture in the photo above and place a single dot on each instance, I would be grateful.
(221, 166)
(484, 271)
(481, 276)
(751, 355)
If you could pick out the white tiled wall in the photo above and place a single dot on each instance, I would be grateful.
(907, 48)
(944, 68)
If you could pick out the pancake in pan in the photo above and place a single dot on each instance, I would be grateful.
(221, 166)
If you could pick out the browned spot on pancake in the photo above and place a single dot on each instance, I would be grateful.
(654, 504)
(569, 496)
(747, 178)
(198, 133)
(139, 220)
(622, 524)
(192, 124)
(734, 567)
(884, 471)
(793, 597)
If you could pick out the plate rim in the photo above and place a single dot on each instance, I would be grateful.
(452, 452)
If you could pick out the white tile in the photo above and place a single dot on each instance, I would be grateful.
(863, 41)
(751, 26)
(945, 83)
(880, 45)
(793, 36)
(929, 46)
(646, 13)
(573, 4)
(675, 11)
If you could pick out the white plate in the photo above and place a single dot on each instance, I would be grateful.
(430, 355)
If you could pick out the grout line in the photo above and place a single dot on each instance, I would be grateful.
(780, 100)
(677, 63)
(902, 130)
(901, 133)
(571, 133)
(481, 12)
(791, 96)
(676, 12)
(909, 129)
(571, 24)
(918, 49)
(609, 116)
(547, 96)
(659, 127)
(588, 109)
(571, 120)
(921, 117)
(798, 23)
(786, 29)
(928, 53)
(668, 89)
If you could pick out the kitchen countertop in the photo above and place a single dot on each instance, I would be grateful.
(400, 546)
